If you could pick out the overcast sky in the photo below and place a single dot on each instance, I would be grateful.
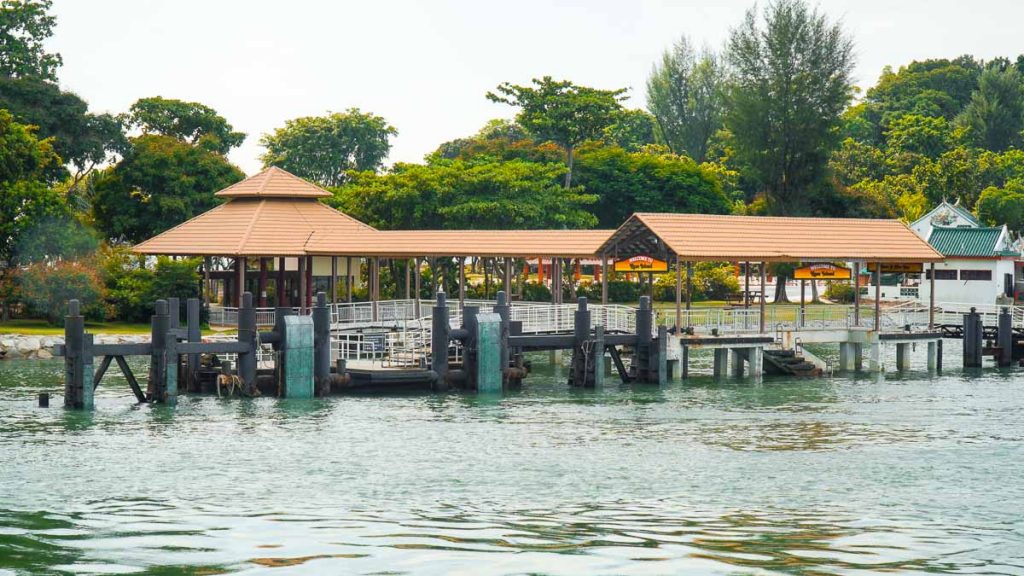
(425, 66)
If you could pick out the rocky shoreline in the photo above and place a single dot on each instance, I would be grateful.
(24, 346)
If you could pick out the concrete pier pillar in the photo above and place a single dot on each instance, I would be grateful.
(933, 355)
(737, 358)
(847, 353)
(858, 356)
(875, 356)
(756, 361)
(903, 356)
(721, 362)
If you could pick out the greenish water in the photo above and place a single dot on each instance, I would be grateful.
(907, 474)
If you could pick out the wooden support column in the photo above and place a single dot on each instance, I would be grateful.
(856, 294)
(878, 296)
(261, 288)
(506, 281)
(485, 262)
(679, 296)
(604, 279)
(416, 275)
(462, 282)
(689, 285)
(746, 285)
(931, 296)
(334, 279)
(803, 308)
(540, 271)
(240, 265)
(206, 281)
(279, 286)
(408, 279)
(761, 314)
(308, 297)
(349, 278)
(302, 285)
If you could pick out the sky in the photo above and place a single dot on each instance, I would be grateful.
(426, 66)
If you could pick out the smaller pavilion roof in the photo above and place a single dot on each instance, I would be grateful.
(769, 239)
(273, 183)
(483, 243)
(969, 242)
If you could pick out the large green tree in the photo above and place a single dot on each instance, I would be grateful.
(562, 112)
(24, 27)
(626, 182)
(791, 82)
(685, 95)
(457, 194)
(159, 183)
(325, 148)
(995, 115)
(189, 122)
(997, 206)
(82, 139)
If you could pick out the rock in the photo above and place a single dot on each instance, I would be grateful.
(44, 354)
(27, 345)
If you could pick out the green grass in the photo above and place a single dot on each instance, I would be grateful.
(41, 328)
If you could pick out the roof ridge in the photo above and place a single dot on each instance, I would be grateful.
(252, 224)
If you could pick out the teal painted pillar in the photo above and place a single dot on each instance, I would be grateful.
(297, 357)
(488, 345)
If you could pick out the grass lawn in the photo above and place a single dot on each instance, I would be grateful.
(41, 328)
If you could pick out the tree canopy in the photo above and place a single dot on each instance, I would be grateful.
(562, 112)
(189, 122)
(160, 183)
(24, 26)
(325, 148)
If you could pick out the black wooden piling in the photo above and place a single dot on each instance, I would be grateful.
(159, 324)
(501, 308)
(642, 356)
(580, 335)
(193, 334)
(1005, 338)
(973, 335)
(74, 357)
(44, 400)
(439, 342)
(247, 336)
(322, 345)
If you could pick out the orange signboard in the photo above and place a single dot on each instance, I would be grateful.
(898, 267)
(641, 264)
(822, 271)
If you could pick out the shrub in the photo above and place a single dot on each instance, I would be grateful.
(536, 293)
(711, 281)
(44, 290)
(839, 292)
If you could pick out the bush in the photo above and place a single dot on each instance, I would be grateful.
(711, 281)
(536, 293)
(839, 292)
(132, 289)
(44, 289)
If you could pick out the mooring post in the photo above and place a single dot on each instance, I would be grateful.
(78, 388)
(973, 334)
(1005, 337)
(470, 356)
(501, 308)
(580, 332)
(159, 324)
(662, 358)
(174, 312)
(247, 335)
(194, 334)
(642, 354)
(597, 358)
(322, 345)
(439, 328)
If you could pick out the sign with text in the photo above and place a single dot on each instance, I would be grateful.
(822, 271)
(641, 264)
(898, 267)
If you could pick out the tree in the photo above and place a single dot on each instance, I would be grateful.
(80, 138)
(791, 82)
(928, 136)
(685, 95)
(26, 201)
(562, 112)
(46, 288)
(633, 130)
(456, 194)
(998, 206)
(995, 115)
(24, 26)
(498, 140)
(626, 182)
(324, 148)
(160, 183)
(189, 122)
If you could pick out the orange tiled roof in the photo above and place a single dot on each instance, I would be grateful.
(255, 227)
(273, 183)
(771, 239)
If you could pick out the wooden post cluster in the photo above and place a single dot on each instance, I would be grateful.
(973, 336)
(78, 389)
